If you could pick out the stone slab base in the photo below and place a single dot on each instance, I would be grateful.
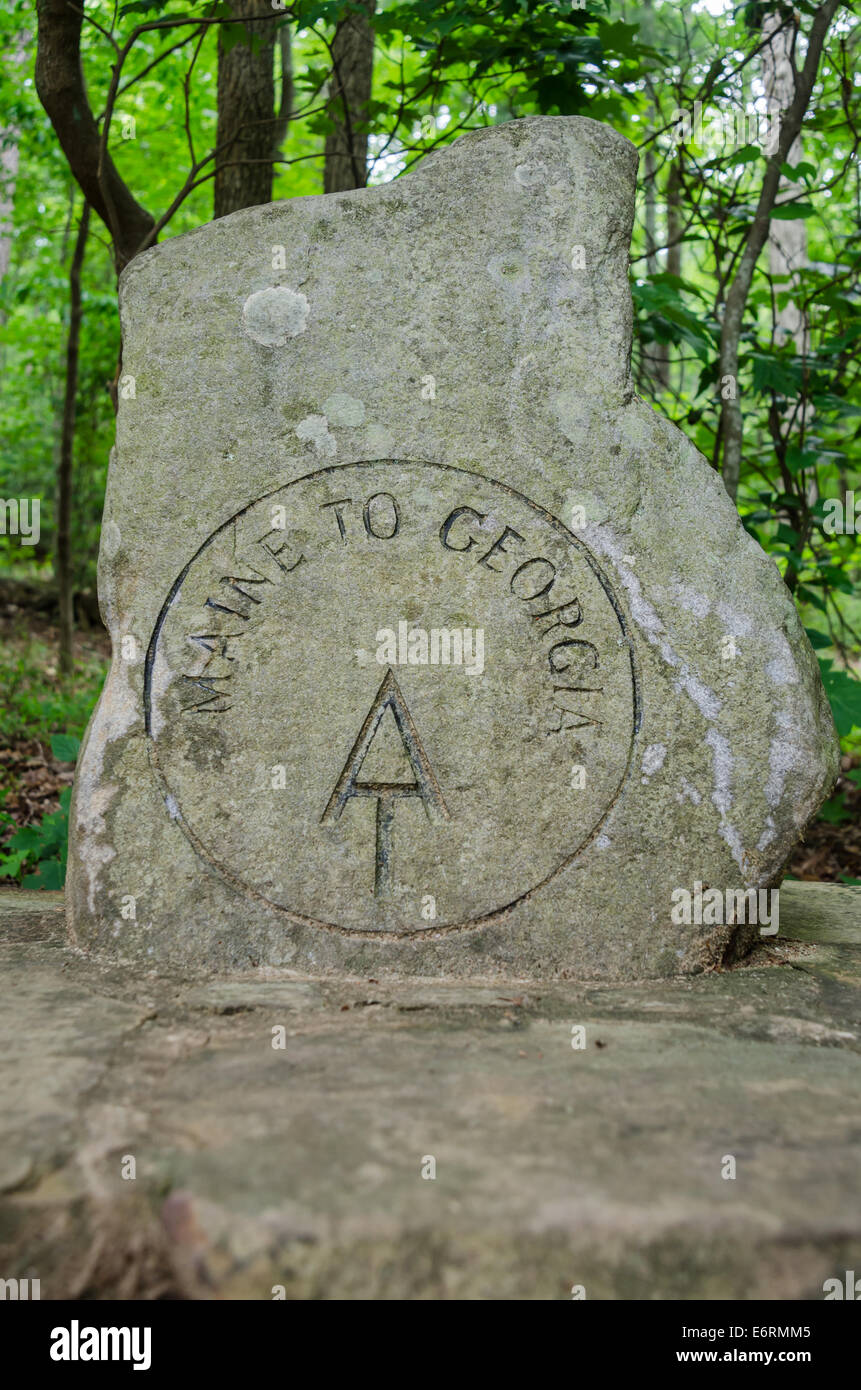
(555, 1166)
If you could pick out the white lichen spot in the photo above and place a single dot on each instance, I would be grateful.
(380, 442)
(739, 624)
(689, 792)
(600, 538)
(314, 429)
(172, 805)
(722, 794)
(273, 316)
(784, 756)
(782, 669)
(722, 759)
(768, 835)
(690, 599)
(705, 699)
(160, 681)
(118, 712)
(111, 539)
(653, 758)
(532, 175)
(603, 842)
(346, 411)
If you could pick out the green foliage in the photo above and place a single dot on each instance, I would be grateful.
(442, 67)
(844, 693)
(439, 69)
(65, 748)
(800, 398)
(37, 853)
(35, 702)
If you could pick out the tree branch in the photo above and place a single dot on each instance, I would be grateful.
(62, 91)
(732, 424)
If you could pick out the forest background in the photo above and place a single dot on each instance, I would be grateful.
(124, 124)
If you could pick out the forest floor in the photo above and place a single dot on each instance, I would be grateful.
(36, 702)
(831, 850)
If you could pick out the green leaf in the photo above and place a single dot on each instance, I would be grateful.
(11, 864)
(844, 694)
(804, 170)
(773, 373)
(798, 459)
(810, 596)
(27, 838)
(787, 535)
(50, 876)
(792, 212)
(747, 155)
(835, 811)
(65, 747)
(53, 830)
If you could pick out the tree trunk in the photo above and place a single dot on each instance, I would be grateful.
(246, 134)
(62, 92)
(787, 241)
(346, 163)
(731, 420)
(8, 175)
(655, 355)
(285, 108)
(63, 561)
(9, 137)
(675, 221)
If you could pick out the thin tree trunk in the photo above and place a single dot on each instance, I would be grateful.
(655, 354)
(62, 91)
(675, 231)
(674, 219)
(63, 562)
(246, 111)
(732, 424)
(9, 137)
(787, 241)
(285, 108)
(346, 163)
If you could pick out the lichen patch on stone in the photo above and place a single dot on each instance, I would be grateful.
(346, 411)
(314, 429)
(273, 316)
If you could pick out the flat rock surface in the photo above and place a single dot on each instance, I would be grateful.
(555, 1166)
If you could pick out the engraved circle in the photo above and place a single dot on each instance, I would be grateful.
(391, 697)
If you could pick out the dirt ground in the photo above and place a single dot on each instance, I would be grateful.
(830, 852)
(31, 779)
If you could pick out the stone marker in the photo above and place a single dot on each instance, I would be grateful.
(436, 650)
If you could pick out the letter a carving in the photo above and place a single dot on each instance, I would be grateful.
(424, 785)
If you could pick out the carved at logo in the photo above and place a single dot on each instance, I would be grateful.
(425, 785)
(256, 690)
